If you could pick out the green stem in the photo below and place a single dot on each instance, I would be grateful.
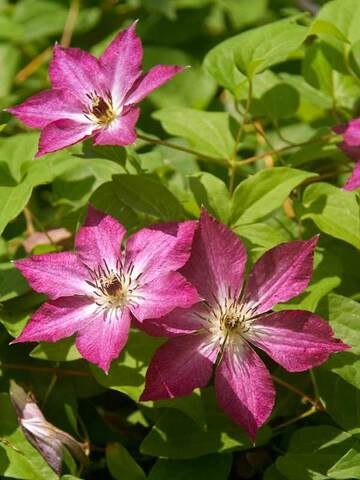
(308, 413)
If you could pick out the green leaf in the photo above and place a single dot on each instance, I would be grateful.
(211, 192)
(253, 51)
(147, 195)
(335, 212)
(285, 108)
(62, 351)
(207, 132)
(262, 234)
(348, 466)
(260, 194)
(121, 464)
(209, 467)
(9, 61)
(312, 451)
(344, 15)
(320, 26)
(243, 12)
(12, 283)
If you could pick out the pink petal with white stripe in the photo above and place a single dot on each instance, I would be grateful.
(158, 249)
(99, 239)
(296, 339)
(280, 274)
(179, 366)
(63, 133)
(104, 337)
(48, 106)
(162, 295)
(217, 261)
(58, 319)
(148, 82)
(55, 274)
(244, 388)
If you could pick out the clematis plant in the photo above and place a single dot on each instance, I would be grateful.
(45, 437)
(97, 290)
(351, 147)
(93, 97)
(234, 317)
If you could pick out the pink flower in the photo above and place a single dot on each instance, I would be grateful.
(234, 317)
(45, 437)
(351, 147)
(93, 97)
(97, 290)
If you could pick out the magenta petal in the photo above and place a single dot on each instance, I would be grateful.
(217, 261)
(99, 240)
(46, 107)
(280, 274)
(244, 388)
(122, 63)
(178, 322)
(162, 295)
(121, 131)
(353, 181)
(55, 274)
(179, 366)
(104, 337)
(62, 134)
(78, 71)
(158, 249)
(351, 133)
(156, 77)
(296, 339)
(57, 319)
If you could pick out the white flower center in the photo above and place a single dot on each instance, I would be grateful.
(100, 110)
(114, 288)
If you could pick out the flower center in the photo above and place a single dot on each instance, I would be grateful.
(234, 318)
(101, 109)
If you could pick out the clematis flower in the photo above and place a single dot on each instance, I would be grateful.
(93, 97)
(97, 290)
(351, 147)
(235, 317)
(45, 437)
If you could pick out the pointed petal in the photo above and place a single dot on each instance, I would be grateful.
(156, 77)
(217, 261)
(122, 63)
(244, 388)
(159, 249)
(104, 337)
(162, 295)
(55, 274)
(78, 71)
(179, 366)
(178, 322)
(351, 133)
(295, 339)
(121, 131)
(280, 274)
(57, 319)
(353, 181)
(99, 239)
(48, 106)
(61, 134)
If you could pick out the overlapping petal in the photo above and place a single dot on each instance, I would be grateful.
(244, 388)
(62, 134)
(217, 261)
(353, 181)
(48, 106)
(98, 241)
(55, 274)
(179, 366)
(296, 339)
(280, 274)
(102, 339)
(162, 295)
(120, 131)
(58, 319)
(158, 249)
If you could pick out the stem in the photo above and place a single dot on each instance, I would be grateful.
(70, 23)
(50, 387)
(298, 392)
(233, 162)
(51, 370)
(31, 67)
(157, 141)
(29, 221)
(308, 413)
